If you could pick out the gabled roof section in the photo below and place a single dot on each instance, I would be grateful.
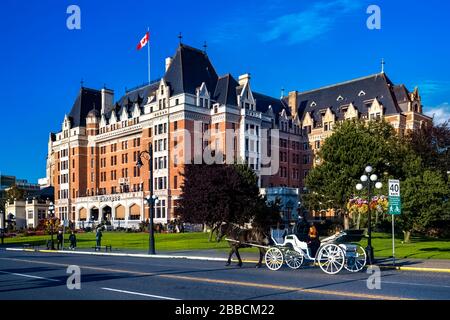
(190, 67)
(138, 95)
(375, 86)
(263, 102)
(225, 92)
(401, 93)
(87, 100)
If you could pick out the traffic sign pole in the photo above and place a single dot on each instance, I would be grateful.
(395, 208)
(393, 239)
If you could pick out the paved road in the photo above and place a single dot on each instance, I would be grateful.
(26, 275)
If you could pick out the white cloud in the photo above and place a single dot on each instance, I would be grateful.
(308, 24)
(431, 87)
(440, 113)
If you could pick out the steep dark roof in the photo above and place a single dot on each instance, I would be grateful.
(401, 93)
(225, 92)
(139, 95)
(43, 194)
(375, 86)
(263, 102)
(87, 100)
(189, 68)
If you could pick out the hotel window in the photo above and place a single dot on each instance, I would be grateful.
(175, 125)
(305, 159)
(177, 102)
(175, 182)
(375, 116)
(317, 144)
(305, 145)
(163, 209)
(216, 126)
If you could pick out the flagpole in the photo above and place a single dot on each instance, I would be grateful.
(148, 51)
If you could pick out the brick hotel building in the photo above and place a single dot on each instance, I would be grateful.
(92, 160)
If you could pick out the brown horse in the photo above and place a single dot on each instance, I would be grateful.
(243, 238)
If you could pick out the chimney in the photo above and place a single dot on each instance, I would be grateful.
(292, 102)
(244, 79)
(168, 62)
(107, 100)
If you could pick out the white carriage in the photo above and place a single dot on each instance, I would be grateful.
(334, 254)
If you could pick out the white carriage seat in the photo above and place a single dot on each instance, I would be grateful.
(301, 244)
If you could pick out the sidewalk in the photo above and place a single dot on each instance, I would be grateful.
(410, 264)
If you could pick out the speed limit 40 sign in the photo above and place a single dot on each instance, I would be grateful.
(395, 203)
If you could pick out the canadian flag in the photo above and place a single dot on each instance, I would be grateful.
(143, 41)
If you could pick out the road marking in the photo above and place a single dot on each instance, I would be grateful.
(140, 294)
(29, 276)
(226, 282)
(400, 268)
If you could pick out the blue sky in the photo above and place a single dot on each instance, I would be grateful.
(297, 45)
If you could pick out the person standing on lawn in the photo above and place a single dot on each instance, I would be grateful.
(98, 237)
(60, 239)
(73, 240)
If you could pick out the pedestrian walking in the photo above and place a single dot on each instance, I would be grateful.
(73, 240)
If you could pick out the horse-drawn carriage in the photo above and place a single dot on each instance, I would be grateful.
(334, 254)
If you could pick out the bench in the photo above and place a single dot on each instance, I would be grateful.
(108, 247)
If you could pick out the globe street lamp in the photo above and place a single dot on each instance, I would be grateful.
(51, 214)
(369, 180)
(150, 199)
(151, 202)
(2, 221)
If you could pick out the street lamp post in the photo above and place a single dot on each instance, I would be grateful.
(150, 199)
(369, 183)
(2, 220)
(51, 213)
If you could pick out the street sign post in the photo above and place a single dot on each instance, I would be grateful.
(395, 208)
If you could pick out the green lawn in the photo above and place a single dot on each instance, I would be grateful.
(420, 247)
(424, 248)
(137, 241)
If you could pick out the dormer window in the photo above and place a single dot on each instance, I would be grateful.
(162, 90)
(340, 98)
(361, 93)
(313, 104)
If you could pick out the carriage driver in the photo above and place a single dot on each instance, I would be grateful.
(313, 240)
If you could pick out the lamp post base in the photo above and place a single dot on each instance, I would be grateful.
(370, 256)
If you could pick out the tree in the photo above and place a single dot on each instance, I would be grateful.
(214, 194)
(344, 155)
(432, 145)
(425, 202)
(14, 193)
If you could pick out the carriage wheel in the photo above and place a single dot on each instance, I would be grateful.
(294, 260)
(357, 261)
(331, 259)
(274, 259)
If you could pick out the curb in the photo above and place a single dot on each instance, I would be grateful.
(165, 256)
